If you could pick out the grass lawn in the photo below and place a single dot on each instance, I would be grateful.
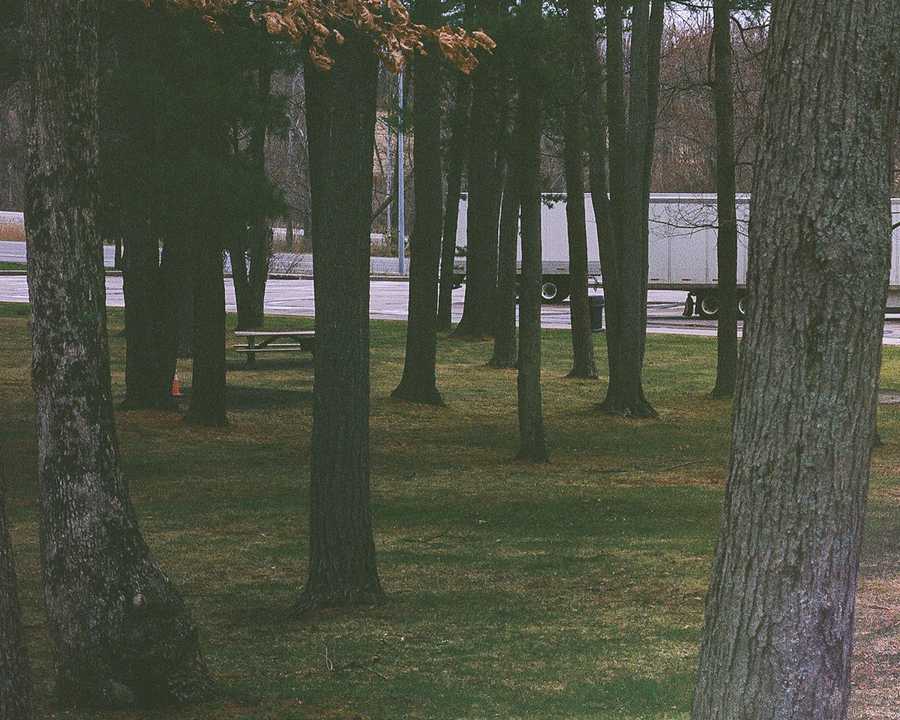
(12, 266)
(567, 590)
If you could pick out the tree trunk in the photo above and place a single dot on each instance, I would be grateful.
(506, 353)
(532, 443)
(177, 279)
(340, 116)
(583, 365)
(581, 14)
(779, 616)
(237, 251)
(145, 382)
(727, 245)
(482, 219)
(456, 164)
(418, 383)
(631, 147)
(15, 671)
(260, 247)
(172, 279)
(122, 633)
(208, 371)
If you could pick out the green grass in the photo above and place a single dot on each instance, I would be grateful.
(12, 266)
(567, 590)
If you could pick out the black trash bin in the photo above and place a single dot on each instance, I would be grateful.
(596, 302)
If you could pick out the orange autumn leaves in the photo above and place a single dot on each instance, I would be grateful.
(395, 37)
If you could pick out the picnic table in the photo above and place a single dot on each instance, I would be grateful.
(267, 341)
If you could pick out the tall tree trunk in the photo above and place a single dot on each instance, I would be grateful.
(260, 248)
(631, 137)
(122, 632)
(171, 279)
(340, 116)
(145, 382)
(483, 216)
(506, 354)
(727, 245)
(583, 365)
(779, 616)
(15, 671)
(532, 443)
(208, 381)
(237, 251)
(456, 165)
(419, 383)
(581, 14)
(177, 278)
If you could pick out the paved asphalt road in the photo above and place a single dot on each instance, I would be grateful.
(388, 301)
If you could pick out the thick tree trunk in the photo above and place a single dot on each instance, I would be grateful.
(583, 365)
(727, 250)
(208, 371)
(419, 383)
(631, 143)
(145, 381)
(483, 216)
(340, 116)
(506, 352)
(15, 671)
(779, 616)
(456, 165)
(177, 279)
(122, 633)
(532, 443)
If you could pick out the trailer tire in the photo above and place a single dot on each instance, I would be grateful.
(708, 305)
(554, 289)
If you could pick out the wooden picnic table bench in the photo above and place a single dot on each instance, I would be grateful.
(264, 341)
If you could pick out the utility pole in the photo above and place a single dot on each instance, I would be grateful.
(401, 200)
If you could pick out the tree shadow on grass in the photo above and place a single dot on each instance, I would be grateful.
(270, 364)
(258, 398)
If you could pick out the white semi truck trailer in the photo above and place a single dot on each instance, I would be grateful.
(682, 253)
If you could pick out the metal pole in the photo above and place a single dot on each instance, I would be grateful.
(401, 200)
(389, 182)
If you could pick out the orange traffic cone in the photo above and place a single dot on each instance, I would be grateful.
(176, 392)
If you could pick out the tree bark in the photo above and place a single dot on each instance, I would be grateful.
(456, 165)
(252, 248)
(532, 442)
(419, 382)
(340, 115)
(779, 616)
(727, 244)
(582, 16)
(177, 279)
(506, 353)
(482, 220)
(15, 670)
(583, 365)
(207, 406)
(145, 383)
(122, 632)
(631, 138)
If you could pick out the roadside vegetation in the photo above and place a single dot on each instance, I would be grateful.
(572, 589)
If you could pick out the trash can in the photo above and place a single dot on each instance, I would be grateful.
(596, 303)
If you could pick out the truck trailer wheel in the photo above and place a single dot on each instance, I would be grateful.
(554, 289)
(708, 305)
